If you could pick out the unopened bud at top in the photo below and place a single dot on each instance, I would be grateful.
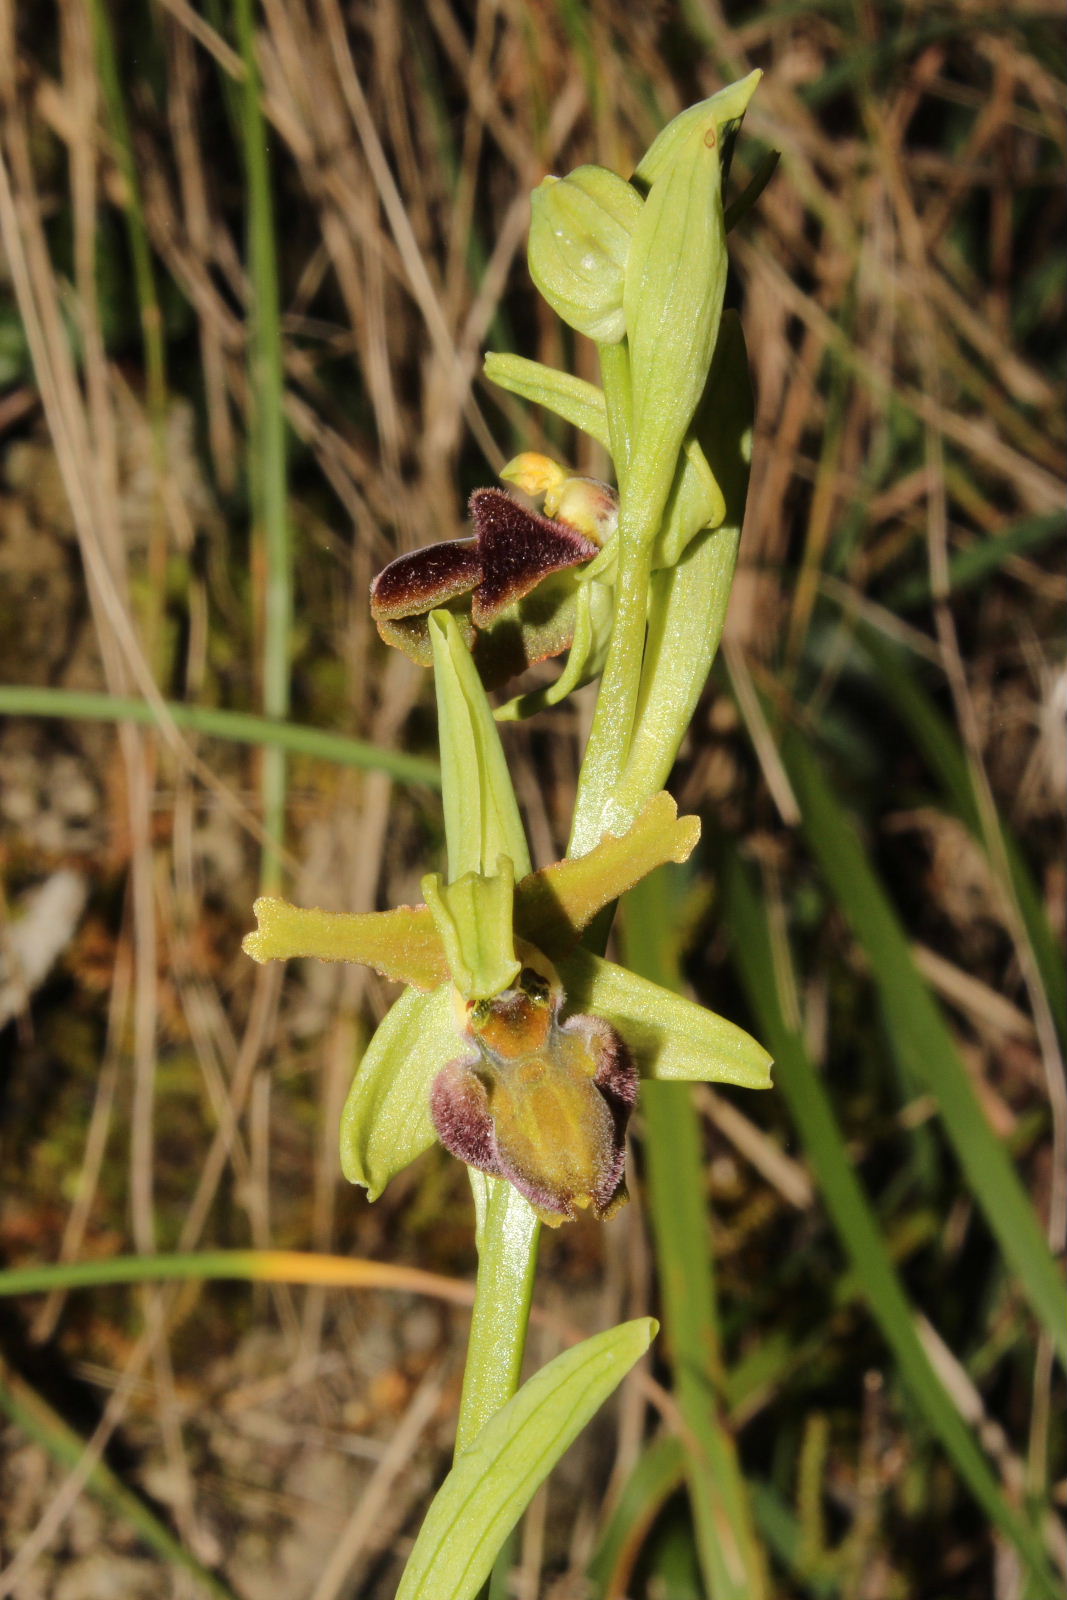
(579, 242)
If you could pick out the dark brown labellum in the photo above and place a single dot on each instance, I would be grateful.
(518, 548)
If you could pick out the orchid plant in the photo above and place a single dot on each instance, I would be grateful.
(514, 1042)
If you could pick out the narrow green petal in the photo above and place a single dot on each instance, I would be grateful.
(571, 398)
(672, 1038)
(402, 944)
(474, 917)
(554, 905)
(386, 1120)
(593, 616)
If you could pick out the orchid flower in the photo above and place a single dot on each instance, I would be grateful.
(513, 587)
(517, 1048)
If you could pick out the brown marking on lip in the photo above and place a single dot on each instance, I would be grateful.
(419, 581)
(518, 548)
(544, 1103)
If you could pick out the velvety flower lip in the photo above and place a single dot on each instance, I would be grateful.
(518, 549)
(538, 1100)
(425, 578)
(513, 551)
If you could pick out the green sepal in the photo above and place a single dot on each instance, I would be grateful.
(403, 944)
(482, 821)
(671, 1038)
(580, 232)
(576, 401)
(473, 915)
(386, 1120)
(593, 616)
(554, 905)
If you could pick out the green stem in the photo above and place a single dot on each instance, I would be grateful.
(615, 377)
(507, 1263)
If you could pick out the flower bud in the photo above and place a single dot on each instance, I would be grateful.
(580, 234)
(585, 504)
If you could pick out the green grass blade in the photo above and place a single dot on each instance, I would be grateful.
(239, 726)
(660, 1470)
(780, 1527)
(32, 1413)
(846, 1201)
(941, 750)
(235, 1266)
(924, 1041)
(729, 1553)
(986, 556)
(137, 229)
(495, 1478)
(267, 443)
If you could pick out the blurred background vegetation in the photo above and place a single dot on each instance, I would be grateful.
(251, 257)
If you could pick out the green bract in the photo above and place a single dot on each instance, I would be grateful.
(580, 232)
(672, 302)
(482, 821)
(494, 1479)
(723, 109)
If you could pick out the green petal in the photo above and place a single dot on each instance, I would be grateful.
(554, 905)
(386, 1120)
(672, 1038)
(402, 944)
(482, 820)
(573, 399)
(474, 918)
